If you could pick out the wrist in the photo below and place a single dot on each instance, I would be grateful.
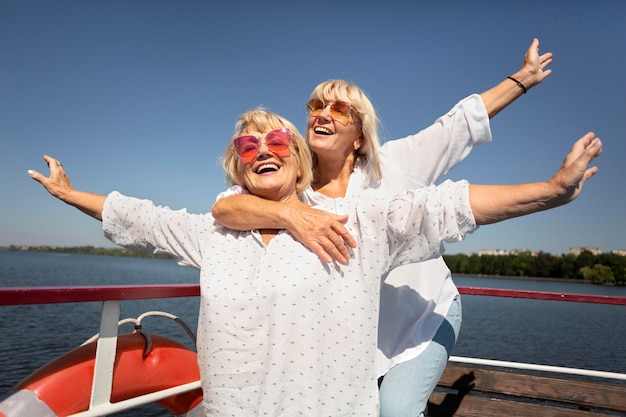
(286, 214)
(557, 194)
(526, 77)
(519, 84)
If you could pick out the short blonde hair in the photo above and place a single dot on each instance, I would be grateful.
(262, 120)
(364, 117)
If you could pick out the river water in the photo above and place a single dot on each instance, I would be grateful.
(579, 335)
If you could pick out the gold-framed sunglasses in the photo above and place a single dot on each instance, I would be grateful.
(339, 110)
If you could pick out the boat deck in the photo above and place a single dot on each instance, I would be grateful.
(481, 391)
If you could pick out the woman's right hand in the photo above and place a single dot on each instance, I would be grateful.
(58, 184)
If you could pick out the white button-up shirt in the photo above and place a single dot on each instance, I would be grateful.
(415, 298)
(279, 332)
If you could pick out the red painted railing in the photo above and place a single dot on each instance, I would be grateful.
(540, 295)
(51, 295)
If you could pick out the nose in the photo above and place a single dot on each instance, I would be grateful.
(325, 114)
(264, 151)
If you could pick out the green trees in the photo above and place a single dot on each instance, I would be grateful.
(598, 274)
(606, 268)
(88, 250)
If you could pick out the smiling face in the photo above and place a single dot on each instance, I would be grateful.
(331, 139)
(335, 143)
(265, 153)
(269, 174)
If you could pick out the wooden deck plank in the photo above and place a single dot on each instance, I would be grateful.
(505, 392)
(450, 405)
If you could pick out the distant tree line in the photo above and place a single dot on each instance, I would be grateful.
(605, 268)
(89, 250)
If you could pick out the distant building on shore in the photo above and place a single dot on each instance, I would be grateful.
(581, 249)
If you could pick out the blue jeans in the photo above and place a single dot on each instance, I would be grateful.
(405, 389)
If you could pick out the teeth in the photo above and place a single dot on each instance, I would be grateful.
(323, 130)
(266, 167)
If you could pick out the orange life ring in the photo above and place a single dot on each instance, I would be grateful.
(63, 386)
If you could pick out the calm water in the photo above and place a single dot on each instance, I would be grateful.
(546, 332)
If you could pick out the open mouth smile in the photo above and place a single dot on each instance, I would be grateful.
(266, 168)
(320, 130)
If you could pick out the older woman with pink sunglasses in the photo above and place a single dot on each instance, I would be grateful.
(420, 305)
(279, 332)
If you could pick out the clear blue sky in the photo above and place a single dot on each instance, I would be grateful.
(141, 96)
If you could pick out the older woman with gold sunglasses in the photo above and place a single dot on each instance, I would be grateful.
(420, 305)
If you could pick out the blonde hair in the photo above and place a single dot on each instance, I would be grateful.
(262, 120)
(364, 117)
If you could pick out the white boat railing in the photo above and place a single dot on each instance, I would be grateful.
(537, 367)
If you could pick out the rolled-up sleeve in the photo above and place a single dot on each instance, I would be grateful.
(429, 154)
(420, 221)
(141, 225)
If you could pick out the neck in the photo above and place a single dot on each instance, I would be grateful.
(331, 179)
(268, 234)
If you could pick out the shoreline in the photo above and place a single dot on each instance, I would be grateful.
(101, 251)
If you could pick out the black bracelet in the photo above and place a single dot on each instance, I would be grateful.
(518, 83)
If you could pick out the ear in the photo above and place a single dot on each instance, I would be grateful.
(358, 142)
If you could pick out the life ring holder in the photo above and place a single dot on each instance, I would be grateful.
(147, 368)
(139, 328)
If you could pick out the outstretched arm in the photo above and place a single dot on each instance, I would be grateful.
(425, 157)
(320, 231)
(58, 184)
(533, 72)
(494, 203)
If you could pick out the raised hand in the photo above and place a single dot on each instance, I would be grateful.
(58, 184)
(534, 70)
(575, 170)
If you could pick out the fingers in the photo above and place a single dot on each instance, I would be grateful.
(53, 164)
(333, 245)
(35, 175)
(545, 59)
(590, 173)
(590, 144)
(575, 170)
(346, 237)
(323, 233)
(535, 67)
(585, 149)
(321, 253)
(592, 149)
(57, 183)
(329, 251)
